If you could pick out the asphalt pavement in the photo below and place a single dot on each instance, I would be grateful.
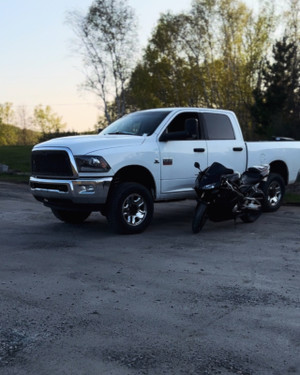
(80, 300)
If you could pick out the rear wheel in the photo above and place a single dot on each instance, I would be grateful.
(130, 208)
(274, 190)
(72, 217)
(200, 217)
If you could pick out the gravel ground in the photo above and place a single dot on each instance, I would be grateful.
(80, 300)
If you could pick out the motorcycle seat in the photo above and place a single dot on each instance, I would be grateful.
(262, 170)
(253, 175)
(231, 177)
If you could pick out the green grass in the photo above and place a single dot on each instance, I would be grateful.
(292, 198)
(18, 160)
(16, 178)
(16, 157)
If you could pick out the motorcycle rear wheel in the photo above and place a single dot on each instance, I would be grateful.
(200, 216)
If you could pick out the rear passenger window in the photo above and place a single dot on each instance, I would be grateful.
(218, 126)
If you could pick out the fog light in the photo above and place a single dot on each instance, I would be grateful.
(86, 189)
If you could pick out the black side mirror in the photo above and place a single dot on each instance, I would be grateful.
(163, 138)
(197, 165)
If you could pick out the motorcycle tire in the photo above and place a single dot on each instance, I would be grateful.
(251, 216)
(274, 190)
(199, 218)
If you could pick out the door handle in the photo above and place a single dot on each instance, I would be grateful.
(199, 149)
(237, 148)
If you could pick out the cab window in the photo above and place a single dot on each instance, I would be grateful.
(218, 126)
(184, 126)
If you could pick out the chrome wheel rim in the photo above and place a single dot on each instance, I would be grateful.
(274, 193)
(134, 210)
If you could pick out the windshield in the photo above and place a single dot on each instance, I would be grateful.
(137, 123)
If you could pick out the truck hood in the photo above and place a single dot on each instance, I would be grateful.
(87, 144)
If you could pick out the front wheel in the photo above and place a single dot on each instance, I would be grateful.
(199, 218)
(274, 189)
(252, 208)
(251, 216)
(72, 217)
(130, 208)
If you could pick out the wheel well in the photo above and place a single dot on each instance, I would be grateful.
(136, 173)
(280, 168)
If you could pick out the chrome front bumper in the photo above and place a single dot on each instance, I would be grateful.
(79, 191)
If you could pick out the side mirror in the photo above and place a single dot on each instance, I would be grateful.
(174, 136)
(197, 165)
(163, 138)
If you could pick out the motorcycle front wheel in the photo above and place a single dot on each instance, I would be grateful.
(251, 215)
(200, 216)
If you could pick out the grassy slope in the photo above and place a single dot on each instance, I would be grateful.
(18, 160)
(16, 157)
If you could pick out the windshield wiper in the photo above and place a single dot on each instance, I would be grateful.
(121, 132)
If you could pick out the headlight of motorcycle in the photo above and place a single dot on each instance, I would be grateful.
(90, 163)
(209, 186)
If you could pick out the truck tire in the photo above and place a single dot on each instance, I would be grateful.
(130, 208)
(274, 189)
(71, 217)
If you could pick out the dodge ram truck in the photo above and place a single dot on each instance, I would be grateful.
(148, 156)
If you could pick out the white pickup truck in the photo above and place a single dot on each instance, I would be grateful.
(149, 156)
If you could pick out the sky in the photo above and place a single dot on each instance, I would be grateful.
(38, 64)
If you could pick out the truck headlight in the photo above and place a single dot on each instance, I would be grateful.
(90, 163)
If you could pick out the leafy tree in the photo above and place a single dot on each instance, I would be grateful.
(277, 98)
(107, 39)
(12, 135)
(47, 121)
(7, 113)
(165, 77)
(27, 136)
(209, 56)
(292, 21)
(23, 118)
(8, 135)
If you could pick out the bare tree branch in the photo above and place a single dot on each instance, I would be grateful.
(107, 35)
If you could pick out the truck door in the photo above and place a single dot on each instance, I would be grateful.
(223, 145)
(181, 145)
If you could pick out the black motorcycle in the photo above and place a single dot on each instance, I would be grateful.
(223, 194)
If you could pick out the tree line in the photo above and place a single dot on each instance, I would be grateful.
(18, 128)
(218, 54)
